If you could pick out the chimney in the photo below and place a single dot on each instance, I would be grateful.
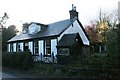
(73, 12)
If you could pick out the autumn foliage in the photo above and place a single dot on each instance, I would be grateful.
(92, 33)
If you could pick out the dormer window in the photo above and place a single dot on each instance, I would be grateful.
(34, 28)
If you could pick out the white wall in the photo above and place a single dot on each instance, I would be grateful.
(81, 33)
(53, 46)
(14, 47)
(30, 46)
(8, 46)
(41, 50)
(76, 29)
(41, 47)
(21, 46)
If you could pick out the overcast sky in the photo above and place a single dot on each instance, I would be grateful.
(49, 11)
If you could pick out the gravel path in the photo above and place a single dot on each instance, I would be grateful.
(7, 73)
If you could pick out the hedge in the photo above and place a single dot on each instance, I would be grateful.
(21, 60)
(99, 65)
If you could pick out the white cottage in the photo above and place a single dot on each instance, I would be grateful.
(42, 39)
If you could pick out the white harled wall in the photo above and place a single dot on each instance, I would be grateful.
(53, 46)
(41, 47)
(75, 28)
(21, 46)
(8, 47)
(30, 46)
(14, 47)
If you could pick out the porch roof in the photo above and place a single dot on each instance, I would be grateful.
(69, 40)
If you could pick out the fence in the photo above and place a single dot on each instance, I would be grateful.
(42, 58)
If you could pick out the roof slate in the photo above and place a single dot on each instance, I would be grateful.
(53, 29)
(68, 40)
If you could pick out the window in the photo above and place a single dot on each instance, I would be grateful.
(26, 46)
(11, 47)
(34, 28)
(36, 47)
(18, 47)
(63, 51)
(48, 48)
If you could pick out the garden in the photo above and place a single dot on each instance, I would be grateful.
(98, 65)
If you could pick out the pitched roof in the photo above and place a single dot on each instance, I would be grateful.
(69, 40)
(53, 29)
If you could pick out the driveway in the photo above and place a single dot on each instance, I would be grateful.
(6, 73)
(9, 75)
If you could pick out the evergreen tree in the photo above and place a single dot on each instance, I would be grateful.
(7, 33)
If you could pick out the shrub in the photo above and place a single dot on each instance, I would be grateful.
(104, 65)
(22, 60)
(63, 59)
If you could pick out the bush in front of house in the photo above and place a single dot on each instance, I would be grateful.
(22, 60)
(106, 65)
(62, 59)
(99, 65)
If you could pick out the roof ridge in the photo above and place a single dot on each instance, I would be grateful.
(75, 18)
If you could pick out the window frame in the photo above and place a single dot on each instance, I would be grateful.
(11, 47)
(47, 48)
(64, 51)
(26, 46)
(18, 47)
(36, 47)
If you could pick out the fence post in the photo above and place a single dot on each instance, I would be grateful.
(53, 56)
(41, 56)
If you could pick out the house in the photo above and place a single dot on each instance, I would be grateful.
(46, 41)
(99, 47)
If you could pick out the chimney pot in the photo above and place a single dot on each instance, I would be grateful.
(73, 12)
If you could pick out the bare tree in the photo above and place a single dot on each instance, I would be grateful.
(3, 19)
